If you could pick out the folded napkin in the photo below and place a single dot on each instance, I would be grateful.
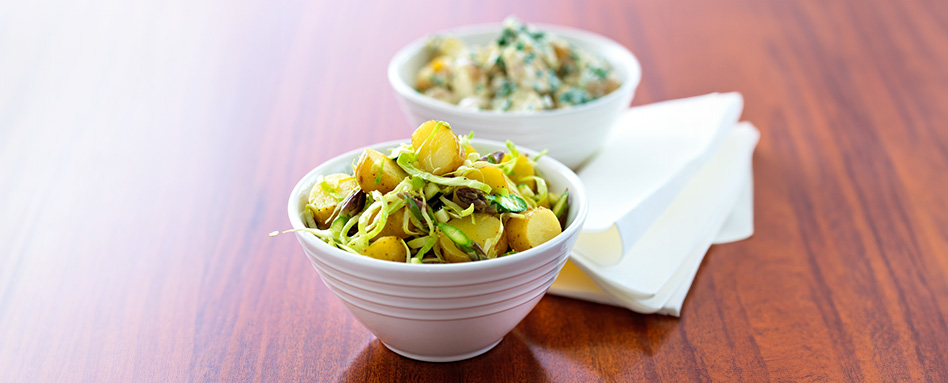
(674, 178)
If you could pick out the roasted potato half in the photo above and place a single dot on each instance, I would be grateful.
(438, 148)
(522, 169)
(490, 175)
(389, 248)
(395, 225)
(535, 228)
(483, 230)
(375, 171)
(327, 193)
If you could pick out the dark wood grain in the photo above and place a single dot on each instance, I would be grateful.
(146, 150)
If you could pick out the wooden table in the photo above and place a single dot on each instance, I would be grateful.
(146, 150)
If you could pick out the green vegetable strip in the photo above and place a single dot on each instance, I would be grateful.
(418, 242)
(492, 242)
(559, 210)
(458, 211)
(542, 191)
(329, 189)
(432, 239)
(378, 177)
(466, 140)
(430, 190)
(361, 240)
(538, 156)
(349, 224)
(406, 164)
(308, 216)
(322, 234)
(507, 202)
(456, 235)
(407, 251)
(442, 216)
(430, 135)
(413, 207)
(417, 183)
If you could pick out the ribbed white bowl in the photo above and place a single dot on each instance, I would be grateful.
(446, 312)
(571, 135)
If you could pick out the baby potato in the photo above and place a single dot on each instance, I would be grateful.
(438, 148)
(322, 196)
(535, 228)
(468, 150)
(489, 174)
(394, 225)
(425, 78)
(375, 171)
(522, 169)
(484, 228)
(389, 248)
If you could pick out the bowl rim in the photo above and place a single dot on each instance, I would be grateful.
(575, 185)
(408, 92)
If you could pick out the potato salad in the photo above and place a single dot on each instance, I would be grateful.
(436, 200)
(522, 70)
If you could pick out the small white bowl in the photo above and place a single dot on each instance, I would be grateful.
(571, 135)
(449, 312)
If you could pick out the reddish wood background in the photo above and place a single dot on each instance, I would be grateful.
(146, 150)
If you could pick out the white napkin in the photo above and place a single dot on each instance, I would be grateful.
(692, 195)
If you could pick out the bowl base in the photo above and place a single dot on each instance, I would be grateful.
(442, 359)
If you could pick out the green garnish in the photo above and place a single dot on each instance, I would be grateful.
(405, 161)
(508, 202)
(329, 189)
(538, 156)
(461, 240)
(560, 208)
(414, 208)
(378, 177)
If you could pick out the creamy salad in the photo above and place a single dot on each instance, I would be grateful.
(522, 70)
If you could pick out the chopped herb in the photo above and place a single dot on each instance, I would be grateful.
(554, 81)
(506, 88)
(574, 96)
(601, 73)
(507, 36)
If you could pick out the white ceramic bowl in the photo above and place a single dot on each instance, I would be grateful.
(441, 313)
(571, 135)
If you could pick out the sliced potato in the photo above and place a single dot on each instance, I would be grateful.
(483, 230)
(535, 228)
(438, 148)
(387, 249)
(375, 171)
(328, 193)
